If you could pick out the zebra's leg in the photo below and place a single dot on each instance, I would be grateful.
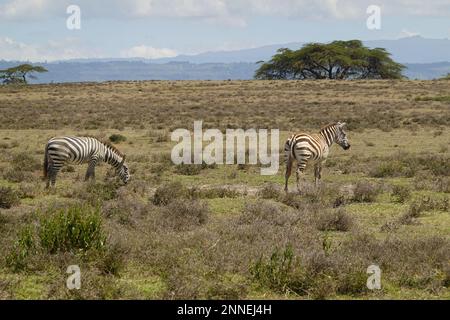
(288, 174)
(50, 170)
(91, 170)
(56, 165)
(317, 174)
(300, 169)
(52, 177)
(298, 173)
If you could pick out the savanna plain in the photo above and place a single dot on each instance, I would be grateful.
(226, 231)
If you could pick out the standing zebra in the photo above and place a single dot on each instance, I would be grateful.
(303, 147)
(78, 150)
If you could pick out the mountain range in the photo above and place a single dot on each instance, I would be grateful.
(424, 59)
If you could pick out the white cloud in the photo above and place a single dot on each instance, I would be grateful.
(148, 52)
(406, 34)
(69, 48)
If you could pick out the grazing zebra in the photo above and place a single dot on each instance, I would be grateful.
(78, 150)
(303, 147)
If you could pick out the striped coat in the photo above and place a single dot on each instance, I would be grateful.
(304, 148)
(79, 150)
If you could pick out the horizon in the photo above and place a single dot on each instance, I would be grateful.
(137, 58)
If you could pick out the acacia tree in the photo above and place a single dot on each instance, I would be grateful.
(336, 60)
(20, 73)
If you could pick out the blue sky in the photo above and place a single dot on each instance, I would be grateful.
(36, 29)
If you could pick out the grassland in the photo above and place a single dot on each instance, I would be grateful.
(225, 231)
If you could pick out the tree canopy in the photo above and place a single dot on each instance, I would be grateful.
(20, 73)
(335, 60)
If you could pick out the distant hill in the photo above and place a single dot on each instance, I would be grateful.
(405, 50)
(427, 71)
(424, 59)
(140, 70)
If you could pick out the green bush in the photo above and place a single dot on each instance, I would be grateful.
(401, 193)
(17, 258)
(117, 138)
(8, 198)
(275, 273)
(75, 228)
(387, 169)
(212, 193)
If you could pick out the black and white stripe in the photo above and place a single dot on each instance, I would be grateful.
(304, 147)
(79, 150)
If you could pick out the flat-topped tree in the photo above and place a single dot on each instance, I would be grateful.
(19, 74)
(336, 60)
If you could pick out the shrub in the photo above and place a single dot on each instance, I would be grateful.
(117, 138)
(183, 214)
(227, 287)
(75, 228)
(112, 260)
(269, 191)
(8, 198)
(212, 193)
(15, 175)
(365, 192)
(387, 169)
(437, 164)
(421, 205)
(334, 220)
(276, 272)
(168, 192)
(17, 258)
(188, 169)
(25, 162)
(401, 193)
(96, 193)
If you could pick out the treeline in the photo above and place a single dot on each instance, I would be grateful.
(336, 60)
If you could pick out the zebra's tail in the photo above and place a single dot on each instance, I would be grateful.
(287, 150)
(46, 162)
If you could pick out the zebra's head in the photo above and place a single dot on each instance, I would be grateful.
(341, 136)
(123, 171)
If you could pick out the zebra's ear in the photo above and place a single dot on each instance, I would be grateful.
(342, 124)
(123, 161)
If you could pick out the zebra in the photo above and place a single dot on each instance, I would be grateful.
(303, 147)
(79, 150)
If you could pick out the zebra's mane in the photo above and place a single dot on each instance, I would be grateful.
(107, 144)
(328, 126)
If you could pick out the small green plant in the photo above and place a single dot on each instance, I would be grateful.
(117, 138)
(17, 258)
(75, 228)
(401, 193)
(275, 272)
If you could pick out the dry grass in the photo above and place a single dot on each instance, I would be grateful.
(226, 231)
